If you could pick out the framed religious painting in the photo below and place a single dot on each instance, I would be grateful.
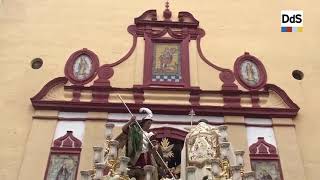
(62, 166)
(81, 67)
(64, 158)
(267, 169)
(166, 63)
(250, 72)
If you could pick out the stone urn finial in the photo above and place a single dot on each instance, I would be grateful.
(167, 13)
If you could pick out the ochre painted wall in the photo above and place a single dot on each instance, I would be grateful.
(238, 137)
(53, 29)
(288, 150)
(37, 148)
(93, 136)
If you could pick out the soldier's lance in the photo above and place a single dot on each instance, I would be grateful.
(147, 138)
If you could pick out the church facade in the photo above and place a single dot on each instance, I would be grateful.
(70, 67)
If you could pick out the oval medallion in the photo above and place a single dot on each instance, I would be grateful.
(250, 72)
(81, 67)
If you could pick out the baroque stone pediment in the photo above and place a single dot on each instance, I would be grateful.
(87, 85)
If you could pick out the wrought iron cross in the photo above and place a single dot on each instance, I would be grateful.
(192, 113)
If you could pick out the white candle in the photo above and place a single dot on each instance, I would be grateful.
(236, 175)
(99, 170)
(97, 154)
(149, 170)
(239, 157)
(113, 149)
(123, 165)
(85, 175)
(108, 131)
(223, 133)
(191, 173)
(224, 149)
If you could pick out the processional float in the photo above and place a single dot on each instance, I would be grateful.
(207, 155)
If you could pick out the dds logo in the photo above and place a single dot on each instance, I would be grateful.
(291, 21)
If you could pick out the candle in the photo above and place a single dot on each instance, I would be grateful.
(236, 175)
(223, 133)
(149, 171)
(239, 157)
(191, 173)
(85, 175)
(224, 149)
(113, 149)
(97, 154)
(99, 170)
(108, 131)
(123, 165)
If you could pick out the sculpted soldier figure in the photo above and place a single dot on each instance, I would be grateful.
(138, 148)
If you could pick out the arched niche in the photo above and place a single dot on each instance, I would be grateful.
(172, 140)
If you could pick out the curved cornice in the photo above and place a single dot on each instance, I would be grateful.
(46, 88)
(167, 109)
(282, 94)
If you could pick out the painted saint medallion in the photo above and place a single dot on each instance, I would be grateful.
(82, 67)
(250, 73)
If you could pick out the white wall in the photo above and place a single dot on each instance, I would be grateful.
(254, 132)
